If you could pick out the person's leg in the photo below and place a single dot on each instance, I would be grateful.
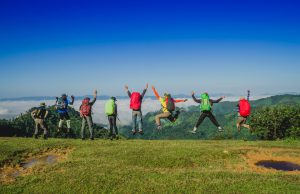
(115, 125)
(201, 118)
(134, 118)
(214, 121)
(140, 121)
(36, 131)
(239, 122)
(83, 128)
(110, 121)
(61, 121)
(42, 125)
(161, 116)
(90, 124)
(68, 122)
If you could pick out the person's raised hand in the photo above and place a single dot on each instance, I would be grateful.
(95, 93)
(147, 86)
(185, 100)
(193, 93)
(126, 87)
(223, 97)
(72, 97)
(153, 87)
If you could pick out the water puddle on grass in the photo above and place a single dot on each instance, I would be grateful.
(8, 174)
(278, 165)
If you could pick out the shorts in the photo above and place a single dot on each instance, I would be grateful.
(63, 116)
(241, 120)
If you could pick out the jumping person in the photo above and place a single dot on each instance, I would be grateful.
(206, 108)
(61, 105)
(111, 111)
(168, 108)
(244, 110)
(136, 100)
(39, 115)
(86, 114)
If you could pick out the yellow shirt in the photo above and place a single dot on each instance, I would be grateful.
(163, 104)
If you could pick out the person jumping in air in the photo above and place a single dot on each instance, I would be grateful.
(111, 111)
(86, 114)
(206, 108)
(136, 100)
(39, 116)
(244, 111)
(168, 108)
(61, 105)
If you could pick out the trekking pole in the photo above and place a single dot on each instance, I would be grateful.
(248, 95)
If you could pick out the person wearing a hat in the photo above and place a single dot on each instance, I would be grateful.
(39, 115)
(61, 105)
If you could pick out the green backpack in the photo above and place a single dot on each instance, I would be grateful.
(110, 107)
(205, 103)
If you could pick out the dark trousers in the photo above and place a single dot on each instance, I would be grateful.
(208, 114)
(113, 125)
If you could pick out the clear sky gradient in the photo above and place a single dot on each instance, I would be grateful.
(49, 47)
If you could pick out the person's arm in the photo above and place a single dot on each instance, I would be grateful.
(195, 99)
(155, 93)
(144, 91)
(72, 100)
(127, 90)
(179, 100)
(33, 114)
(46, 114)
(217, 101)
(94, 99)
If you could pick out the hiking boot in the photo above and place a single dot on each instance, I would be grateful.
(159, 127)
(133, 132)
(91, 138)
(82, 138)
(117, 137)
(36, 137)
(45, 137)
(220, 129)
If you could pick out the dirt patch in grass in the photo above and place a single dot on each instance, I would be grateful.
(32, 163)
(252, 156)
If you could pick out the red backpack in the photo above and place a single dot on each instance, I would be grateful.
(245, 108)
(135, 101)
(86, 108)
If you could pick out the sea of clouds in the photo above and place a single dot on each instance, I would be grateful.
(11, 109)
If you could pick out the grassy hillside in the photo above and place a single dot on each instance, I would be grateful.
(137, 166)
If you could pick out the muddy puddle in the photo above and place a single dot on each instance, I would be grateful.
(8, 174)
(270, 160)
(278, 165)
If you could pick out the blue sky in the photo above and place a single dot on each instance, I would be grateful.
(51, 47)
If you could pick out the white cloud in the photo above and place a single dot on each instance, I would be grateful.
(10, 109)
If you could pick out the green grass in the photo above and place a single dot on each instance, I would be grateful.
(141, 166)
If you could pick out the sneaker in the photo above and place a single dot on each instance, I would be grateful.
(133, 132)
(220, 129)
(36, 137)
(45, 137)
(91, 138)
(141, 132)
(159, 127)
(193, 132)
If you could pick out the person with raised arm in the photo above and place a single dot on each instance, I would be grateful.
(168, 108)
